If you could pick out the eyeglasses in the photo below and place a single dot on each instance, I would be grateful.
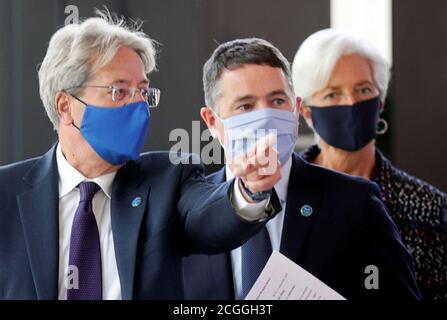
(122, 93)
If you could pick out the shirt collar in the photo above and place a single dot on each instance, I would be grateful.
(70, 178)
(283, 183)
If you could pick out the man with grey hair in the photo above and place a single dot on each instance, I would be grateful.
(94, 219)
(334, 226)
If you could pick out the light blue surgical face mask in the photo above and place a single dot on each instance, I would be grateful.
(116, 134)
(242, 131)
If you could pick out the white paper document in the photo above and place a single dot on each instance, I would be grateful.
(283, 279)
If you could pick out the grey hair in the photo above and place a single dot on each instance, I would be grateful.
(318, 54)
(77, 51)
(232, 55)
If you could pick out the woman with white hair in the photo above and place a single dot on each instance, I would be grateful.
(343, 82)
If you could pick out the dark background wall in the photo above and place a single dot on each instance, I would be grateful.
(420, 95)
(188, 31)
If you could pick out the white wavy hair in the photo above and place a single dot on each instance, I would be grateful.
(318, 54)
(77, 51)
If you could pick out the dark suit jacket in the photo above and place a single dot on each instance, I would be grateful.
(180, 213)
(348, 230)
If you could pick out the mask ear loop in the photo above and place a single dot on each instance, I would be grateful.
(294, 109)
(80, 102)
(217, 116)
(75, 126)
(222, 143)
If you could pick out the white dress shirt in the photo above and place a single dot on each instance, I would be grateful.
(274, 226)
(69, 195)
(69, 179)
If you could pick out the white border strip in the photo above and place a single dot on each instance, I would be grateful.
(369, 18)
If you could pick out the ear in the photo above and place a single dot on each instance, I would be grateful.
(306, 113)
(298, 105)
(63, 101)
(382, 106)
(210, 119)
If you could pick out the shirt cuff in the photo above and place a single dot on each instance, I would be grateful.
(246, 210)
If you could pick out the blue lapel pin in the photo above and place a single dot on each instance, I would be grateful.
(306, 210)
(136, 202)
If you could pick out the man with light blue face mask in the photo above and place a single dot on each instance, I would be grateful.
(93, 218)
(332, 225)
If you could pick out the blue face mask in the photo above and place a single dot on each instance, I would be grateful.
(116, 134)
(347, 127)
(244, 130)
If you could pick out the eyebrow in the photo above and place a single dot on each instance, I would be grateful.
(363, 83)
(276, 93)
(250, 97)
(356, 85)
(244, 98)
(145, 81)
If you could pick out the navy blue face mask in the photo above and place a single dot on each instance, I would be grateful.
(347, 127)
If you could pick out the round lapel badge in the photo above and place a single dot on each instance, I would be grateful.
(136, 202)
(306, 210)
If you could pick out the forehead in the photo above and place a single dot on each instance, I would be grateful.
(351, 69)
(252, 79)
(125, 65)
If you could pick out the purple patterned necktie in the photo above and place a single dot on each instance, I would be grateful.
(85, 252)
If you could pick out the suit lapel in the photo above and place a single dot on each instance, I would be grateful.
(38, 208)
(129, 202)
(218, 176)
(303, 193)
(220, 264)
